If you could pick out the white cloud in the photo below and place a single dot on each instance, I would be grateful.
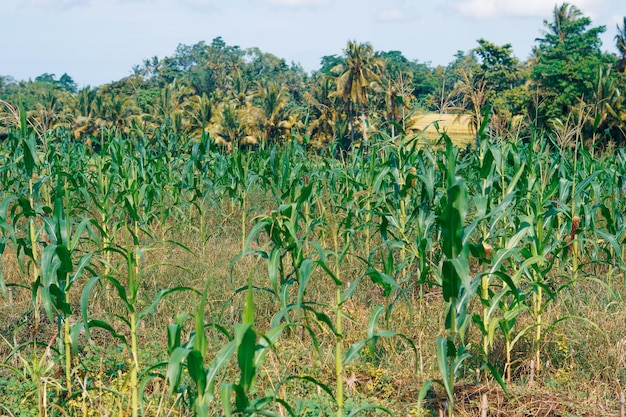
(200, 5)
(394, 15)
(53, 4)
(493, 9)
(295, 4)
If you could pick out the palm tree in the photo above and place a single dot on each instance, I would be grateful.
(396, 94)
(562, 15)
(230, 128)
(472, 90)
(119, 111)
(85, 108)
(354, 78)
(200, 112)
(322, 112)
(172, 103)
(273, 99)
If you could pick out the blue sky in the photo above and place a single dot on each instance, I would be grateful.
(98, 41)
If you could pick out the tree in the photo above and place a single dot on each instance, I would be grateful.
(272, 98)
(405, 82)
(446, 96)
(85, 109)
(7, 83)
(503, 80)
(563, 17)
(394, 89)
(472, 90)
(498, 66)
(322, 111)
(68, 84)
(568, 60)
(354, 76)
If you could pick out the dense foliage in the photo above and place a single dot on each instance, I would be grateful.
(248, 97)
(196, 240)
(158, 276)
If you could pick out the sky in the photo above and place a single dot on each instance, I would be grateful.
(99, 41)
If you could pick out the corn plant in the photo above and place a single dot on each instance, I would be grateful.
(241, 180)
(38, 367)
(60, 270)
(136, 201)
(251, 348)
(540, 185)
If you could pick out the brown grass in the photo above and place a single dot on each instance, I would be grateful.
(583, 377)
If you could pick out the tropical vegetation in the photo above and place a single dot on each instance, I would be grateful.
(223, 234)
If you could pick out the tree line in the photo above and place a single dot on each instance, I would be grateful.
(247, 97)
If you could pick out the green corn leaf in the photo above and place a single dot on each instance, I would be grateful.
(195, 367)
(274, 268)
(221, 359)
(78, 234)
(498, 377)
(426, 386)
(241, 397)
(157, 298)
(84, 302)
(174, 331)
(350, 290)
(174, 367)
(451, 281)
(27, 210)
(248, 311)
(225, 393)
(59, 300)
(442, 363)
(29, 149)
(49, 265)
(310, 379)
(121, 292)
(106, 326)
(354, 351)
(246, 349)
(65, 257)
(83, 263)
(3, 288)
(266, 341)
(23, 125)
(372, 323)
(387, 283)
(306, 270)
(357, 410)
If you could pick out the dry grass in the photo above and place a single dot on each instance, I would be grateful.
(582, 379)
(585, 372)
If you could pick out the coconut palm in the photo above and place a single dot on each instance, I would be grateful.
(322, 112)
(562, 15)
(119, 111)
(272, 101)
(395, 96)
(85, 110)
(200, 112)
(230, 128)
(472, 90)
(354, 79)
(172, 103)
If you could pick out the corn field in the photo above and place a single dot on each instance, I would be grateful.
(163, 276)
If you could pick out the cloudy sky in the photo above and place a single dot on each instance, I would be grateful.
(98, 41)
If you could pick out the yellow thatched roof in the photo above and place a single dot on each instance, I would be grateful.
(453, 124)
